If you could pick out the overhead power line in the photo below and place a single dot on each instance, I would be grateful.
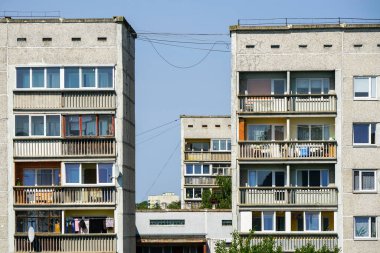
(173, 45)
(157, 127)
(154, 136)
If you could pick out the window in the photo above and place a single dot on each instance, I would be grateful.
(89, 125)
(221, 145)
(365, 87)
(268, 221)
(364, 180)
(312, 221)
(313, 178)
(89, 173)
(197, 146)
(194, 193)
(220, 169)
(265, 87)
(166, 222)
(265, 132)
(226, 222)
(364, 133)
(41, 221)
(312, 85)
(263, 178)
(197, 169)
(40, 125)
(73, 77)
(365, 227)
(40, 177)
(313, 132)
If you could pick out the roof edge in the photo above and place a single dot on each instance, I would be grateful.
(204, 116)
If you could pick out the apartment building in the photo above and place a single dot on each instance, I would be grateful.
(305, 121)
(67, 135)
(205, 154)
(162, 200)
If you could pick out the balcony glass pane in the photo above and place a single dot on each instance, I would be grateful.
(324, 178)
(29, 177)
(280, 178)
(223, 144)
(316, 86)
(373, 227)
(278, 87)
(53, 78)
(368, 180)
(256, 221)
(38, 77)
(197, 169)
(53, 125)
(268, 221)
(302, 86)
(326, 86)
(197, 193)
(215, 144)
(279, 133)
(373, 133)
(189, 169)
(105, 125)
(356, 180)
(22, 125)
(228, 144)
(302, 178)
(72, 125)
(88, 77)
(264, 178)
(105, 79)
(206, 169)
(312, 221)
(303, 132)
(71, 78)
(373, 88)
(361, 133)
(315, 178)
(72, 173)
(251, 178)
(44, 177)
(37, 125)
(316, 133)
(189, 193)
(89, 125)
(23, 78)
(259, 86)
(361, 227)
(105, 172)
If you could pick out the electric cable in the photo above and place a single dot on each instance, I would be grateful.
(154, 136)
(157, 127)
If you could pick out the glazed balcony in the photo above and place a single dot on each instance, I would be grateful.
(200, 181)
(291, 242)
(65, 100)
(71, 243)
(64, 195)
(206, 156)
(289, 196)
(73, 147)
(287, 104)
(288, 150)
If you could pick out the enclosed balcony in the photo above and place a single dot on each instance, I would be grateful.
(287, 92)
(58, 147)
(206, 150)
(72, 243)
(64, 195)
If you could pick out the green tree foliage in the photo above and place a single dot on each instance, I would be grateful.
(311, 249)
(142, 206)
(220, 196)
(245, 245)
(174, 205)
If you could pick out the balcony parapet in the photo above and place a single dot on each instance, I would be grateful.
(71, 243)
(288, 196)
(208, 156)
(64, 195)
(288, 150)
(58, 147)
(308, 103)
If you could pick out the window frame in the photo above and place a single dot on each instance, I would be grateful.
(273, 177)
(36, 179)
(308, 177)
(310, 126)
(322, 79)
(193, 191)
(45, 126)
(273, 131)
(369, 237)
(64, 180)
(319, 213)
(369, 97)
(219, 140)
(62, 77)
(369, 134)
(360, 190)
(80, 123)
(202, 169)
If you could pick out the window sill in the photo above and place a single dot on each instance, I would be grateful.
(365, 192)
(365, 239)
(364, 145)
(366, 99)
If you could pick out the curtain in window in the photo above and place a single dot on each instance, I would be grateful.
(368, 181)
(89, 125)
(361, 87)
(361, 227)
(259, 86)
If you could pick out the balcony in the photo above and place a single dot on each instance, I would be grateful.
(203, 156)
(64, 195)
(46, 243)
(43, 147)
(288, 150)
(285, 196)
(200, 181)
(288, 104)
(56, 100)
(290, 242)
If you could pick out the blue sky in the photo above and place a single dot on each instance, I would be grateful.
(164, 92)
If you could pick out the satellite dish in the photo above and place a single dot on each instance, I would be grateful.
(31, 234)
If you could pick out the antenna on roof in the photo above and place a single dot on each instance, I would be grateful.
(30, 14)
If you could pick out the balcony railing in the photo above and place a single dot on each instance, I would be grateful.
(282, 196)
(200, 180)
(71, 243)
(288, 104)
(64, 147)
(207, 156)
(78, 99)
(64, 195)
(291, 242)
(288, 150)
